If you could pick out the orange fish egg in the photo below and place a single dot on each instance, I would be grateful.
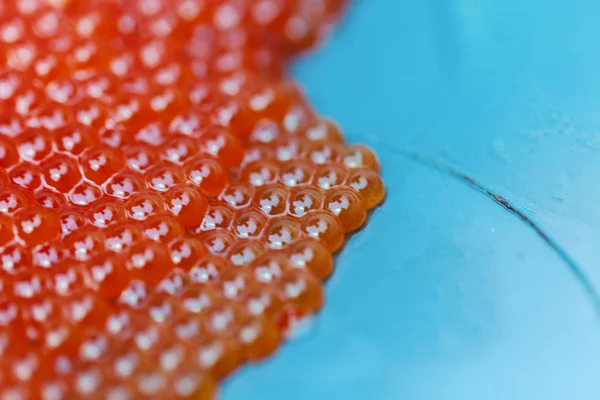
(169, 200)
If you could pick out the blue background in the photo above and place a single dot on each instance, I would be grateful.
(446, 295)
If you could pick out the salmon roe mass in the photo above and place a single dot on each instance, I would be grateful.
(170, 204)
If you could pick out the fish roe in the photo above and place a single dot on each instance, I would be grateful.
(170, 203)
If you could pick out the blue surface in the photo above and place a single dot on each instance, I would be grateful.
(446, 295)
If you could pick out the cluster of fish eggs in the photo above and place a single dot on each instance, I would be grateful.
(169, 201)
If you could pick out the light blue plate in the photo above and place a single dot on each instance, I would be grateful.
(446, 294)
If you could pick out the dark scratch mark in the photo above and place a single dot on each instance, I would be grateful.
(580, 276)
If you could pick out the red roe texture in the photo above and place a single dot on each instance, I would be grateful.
(170, 203)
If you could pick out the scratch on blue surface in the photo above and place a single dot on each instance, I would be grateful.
(580, 276)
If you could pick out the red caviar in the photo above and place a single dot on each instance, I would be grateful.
(166, 193)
